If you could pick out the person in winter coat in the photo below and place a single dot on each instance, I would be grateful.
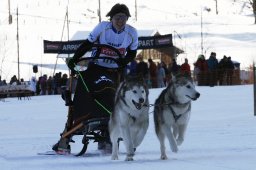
(153, 73)
(43, 84)
(142, 68)
(32, 85)
(174, 68)
(212, 63)
(160, 76)
(230, 71)
(222, 71)
(185, 68)
(49, 85)
(202, 67)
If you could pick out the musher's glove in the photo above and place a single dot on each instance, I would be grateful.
(71, 64)
(122, 62)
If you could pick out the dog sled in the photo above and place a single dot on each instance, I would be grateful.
(91, 127)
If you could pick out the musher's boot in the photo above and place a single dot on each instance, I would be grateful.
(101, 145)
(62, 147)
(108, 148)
(104, 146)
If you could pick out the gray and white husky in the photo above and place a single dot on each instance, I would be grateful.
(172, 112)
(130, 119)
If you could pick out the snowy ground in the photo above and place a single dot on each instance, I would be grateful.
(221, 136)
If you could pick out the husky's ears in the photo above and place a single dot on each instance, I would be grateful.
(177, 76)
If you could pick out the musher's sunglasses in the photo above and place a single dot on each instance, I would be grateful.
(120, 17)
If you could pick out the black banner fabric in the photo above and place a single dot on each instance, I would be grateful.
(68, 47)
(152, 42)
(61, 47)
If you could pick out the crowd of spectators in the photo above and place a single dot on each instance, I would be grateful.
(157, 74)
(211, 72)
(207, 72)
(45, 85)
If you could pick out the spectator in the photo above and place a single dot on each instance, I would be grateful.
(212, 63)
(4, 83)
(167, 74)
(153, 73)
(22, 82)
(64, 80)
(49, 84)
(230, 70)
(174, 69)
(142, 68)
(160, 76)
(222, 69)
(33, 85)
(38, 87)
(185, 68)
(43, 84)
(14, 80)
(202, 67)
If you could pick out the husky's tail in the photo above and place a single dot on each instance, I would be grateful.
(158, 109)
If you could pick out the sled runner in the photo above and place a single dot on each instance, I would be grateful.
(91, 121)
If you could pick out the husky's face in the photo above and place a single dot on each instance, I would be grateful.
(185, 90)
(136, 97)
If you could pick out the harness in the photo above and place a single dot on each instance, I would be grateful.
(170, 105)
(177, 116)
(174, 102)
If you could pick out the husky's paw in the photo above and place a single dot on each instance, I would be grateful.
(174, 149)
(129, 158)
(179, 141)
(164, 157)
(114, 157)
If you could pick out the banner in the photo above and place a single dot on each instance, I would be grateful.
(61, 47)
(153, 42)
(68, 47)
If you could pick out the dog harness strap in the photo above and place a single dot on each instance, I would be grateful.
(175, 116)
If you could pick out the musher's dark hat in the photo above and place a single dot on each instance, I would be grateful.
(118, 8)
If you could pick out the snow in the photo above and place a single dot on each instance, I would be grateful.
(221, 135)
(231, 32)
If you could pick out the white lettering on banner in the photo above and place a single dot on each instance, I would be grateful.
(70, 47)
(164, 41)
(146, 43)
(109, 52)
(52, 46)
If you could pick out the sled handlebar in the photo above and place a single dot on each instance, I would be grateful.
(99, 47)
